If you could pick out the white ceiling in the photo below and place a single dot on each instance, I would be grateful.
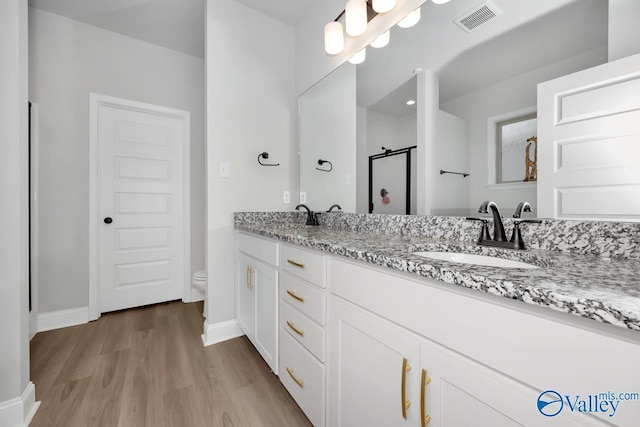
(287, 11)
(174, 24)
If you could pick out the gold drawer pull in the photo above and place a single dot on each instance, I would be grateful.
(293, 377)
(424, 418)
(296, 330)
(297, 264)
(403, 391)
(248, 278)
(293, 295)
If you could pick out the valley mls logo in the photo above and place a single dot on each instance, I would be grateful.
(550, 403)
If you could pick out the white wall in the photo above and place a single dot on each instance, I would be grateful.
(511, 95)
(251, 108)
(68, 61)
(624, 31)
(451, 195)
(14, 193)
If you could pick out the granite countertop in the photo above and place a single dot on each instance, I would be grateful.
(594, 287)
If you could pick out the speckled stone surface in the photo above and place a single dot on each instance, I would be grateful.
(592, 271)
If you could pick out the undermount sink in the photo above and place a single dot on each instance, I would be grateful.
(475, 259)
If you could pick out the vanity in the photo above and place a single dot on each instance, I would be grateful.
(371, 334)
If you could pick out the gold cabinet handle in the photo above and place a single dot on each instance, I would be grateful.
(424, 418)
(293, 295)
(403, 391)
(296, 330)
(250, 284)
(293, 377)
(297, 264)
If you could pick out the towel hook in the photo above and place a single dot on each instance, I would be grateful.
(322, 162)
(265, 156)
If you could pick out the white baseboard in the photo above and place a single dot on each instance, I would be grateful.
(62, 319)
(221, 331)
(19, 412)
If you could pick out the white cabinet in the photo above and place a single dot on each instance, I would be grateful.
(374, 373)
(303, 316)
(483, 364)
(257, 295)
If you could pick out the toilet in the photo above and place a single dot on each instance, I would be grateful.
(199, 283)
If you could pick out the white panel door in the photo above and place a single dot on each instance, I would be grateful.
(589, 144)
(141, 207)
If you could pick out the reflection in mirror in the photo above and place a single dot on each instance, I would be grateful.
(328, 132)
(478, 78)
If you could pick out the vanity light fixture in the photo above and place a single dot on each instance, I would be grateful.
(382, 40)
(333, 38)
(359, 57)
(355, 12)
(384, 6)
(410, 20)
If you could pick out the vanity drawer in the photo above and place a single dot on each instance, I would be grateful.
(304, 297)
(262, 249)
(304, 377)
(309, 265)
(304, 330)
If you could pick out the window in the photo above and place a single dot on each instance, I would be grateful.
(517, 149)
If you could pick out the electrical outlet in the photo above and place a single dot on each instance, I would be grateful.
(223, 170)
(286, 197)
(303, 197)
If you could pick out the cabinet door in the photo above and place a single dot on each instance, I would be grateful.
(372, 380)
(265, 282)
(246, 296)
(458, 391)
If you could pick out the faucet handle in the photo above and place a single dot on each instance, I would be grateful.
(484, 231)
(516, 236)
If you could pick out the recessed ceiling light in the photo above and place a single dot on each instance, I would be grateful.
(411, 102)
(440, 1)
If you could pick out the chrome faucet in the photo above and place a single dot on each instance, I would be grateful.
(337, 206)
(498, 226)
(311, 218)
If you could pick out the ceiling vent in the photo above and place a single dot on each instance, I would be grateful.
(477, 16)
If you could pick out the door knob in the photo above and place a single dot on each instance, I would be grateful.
(108, 220)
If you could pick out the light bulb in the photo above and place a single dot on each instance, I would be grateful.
(383, 6)
(333, 38)
(410, 20)
(359, 57)
(356, 17)
(382, 40)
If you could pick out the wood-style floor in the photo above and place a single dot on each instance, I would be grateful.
(147, 367)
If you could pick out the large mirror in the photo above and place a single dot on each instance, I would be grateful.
(385, 156)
